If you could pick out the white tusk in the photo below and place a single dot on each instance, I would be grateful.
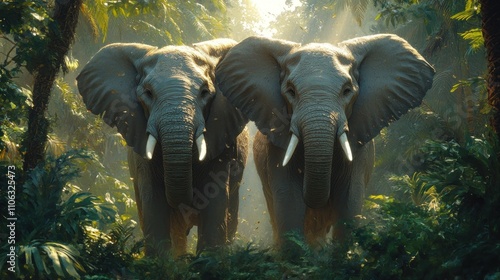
(294, 140)
(150, 146)
(202, 147)
(345, 146)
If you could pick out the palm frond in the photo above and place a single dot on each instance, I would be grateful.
(358, 9)
(87, 15)
(471, 10)
(421, 192)
(51, 258)
(96, 14)
(475, 38)
(10, 151)
(55, 146)
(199, 25)
(219, 5)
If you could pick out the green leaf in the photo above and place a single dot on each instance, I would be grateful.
(40, 264)
(475, 38)
(455, 87)
(54, 257)
(69, 265)
(464, 15)
(28, 253)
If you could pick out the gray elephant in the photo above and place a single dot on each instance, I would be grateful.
(317, 108)
(188, 144)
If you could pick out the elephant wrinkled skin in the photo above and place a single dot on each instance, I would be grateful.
(188, 145)
(318, 107)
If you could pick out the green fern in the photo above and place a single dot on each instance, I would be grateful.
(55, 220)
(50, 259)
(475, 38)
(472, 9)
(422, 194)
(112, 253)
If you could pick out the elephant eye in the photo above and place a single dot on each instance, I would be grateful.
(347, 91)
(291, 92)
(204, 92)
(148, 93)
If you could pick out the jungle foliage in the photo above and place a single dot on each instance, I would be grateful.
(435, 191)
(417, 233)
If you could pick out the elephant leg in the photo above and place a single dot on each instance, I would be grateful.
(285, 184)
(234, 204)
(236, 170)
(260, 155)
(317, 224)
(132, 166)
(152, 204)
(179, 230)
(348, 202)
(211, 201)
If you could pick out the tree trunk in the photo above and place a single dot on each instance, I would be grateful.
(60, 36)
(490, 12)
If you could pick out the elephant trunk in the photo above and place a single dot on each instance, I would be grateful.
(319, 133)
(177, 137)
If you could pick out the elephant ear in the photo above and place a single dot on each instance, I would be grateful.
(393, 78)
(249, 77)
(224, 122)
(216, 48)
(108, 86)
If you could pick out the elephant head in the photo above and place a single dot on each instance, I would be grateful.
(323, 95)
(165, 95)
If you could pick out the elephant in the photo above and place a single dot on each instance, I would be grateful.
(318, 107)
(188, 145)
